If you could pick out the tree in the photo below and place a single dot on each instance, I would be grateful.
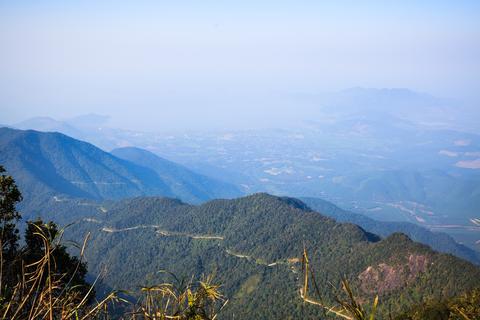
(9, 216)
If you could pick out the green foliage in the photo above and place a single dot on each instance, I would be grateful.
(463, 307)
(253, 246)
(9, 197)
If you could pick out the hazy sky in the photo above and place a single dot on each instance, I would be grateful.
(176, 64)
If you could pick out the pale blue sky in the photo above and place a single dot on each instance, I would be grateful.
(157, 63)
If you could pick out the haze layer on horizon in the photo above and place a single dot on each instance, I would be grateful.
(186, 64)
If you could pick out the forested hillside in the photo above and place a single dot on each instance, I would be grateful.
(253, 245)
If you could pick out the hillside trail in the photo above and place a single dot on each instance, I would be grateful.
(290, 263)
(167, 233)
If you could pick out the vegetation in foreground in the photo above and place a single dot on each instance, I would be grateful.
(41, 280)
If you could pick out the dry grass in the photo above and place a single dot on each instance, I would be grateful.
(40, 293)
(180, 300)
(348, 306)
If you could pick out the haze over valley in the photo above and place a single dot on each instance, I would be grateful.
(390, 154)
(250, 160)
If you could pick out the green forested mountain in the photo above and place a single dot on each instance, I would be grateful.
(436, 240)
(253, 245)
(51, 166)
(55, 164)
(186, 184)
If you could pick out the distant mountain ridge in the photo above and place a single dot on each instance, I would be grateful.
(436, 240)
(47, 124)
(396, 102)
(186, 184)
(53, 164)
(47, 165)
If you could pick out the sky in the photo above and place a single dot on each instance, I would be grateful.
(196, 64)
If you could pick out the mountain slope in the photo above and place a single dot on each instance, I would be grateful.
(186, 184)
(54, 166)
(438, 241)
(253, 245)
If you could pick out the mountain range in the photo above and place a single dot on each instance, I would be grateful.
(52, 165)
(253, 245)
(51, 168)
(436, 240)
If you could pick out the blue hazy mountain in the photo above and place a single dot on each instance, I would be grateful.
(52, 165)
(388, 103)
(391, 154)
(48, 124)
(436, 240)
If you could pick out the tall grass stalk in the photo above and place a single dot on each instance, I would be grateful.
(349, 307)
(41, 293)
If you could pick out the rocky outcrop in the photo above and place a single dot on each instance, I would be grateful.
(384, 278)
